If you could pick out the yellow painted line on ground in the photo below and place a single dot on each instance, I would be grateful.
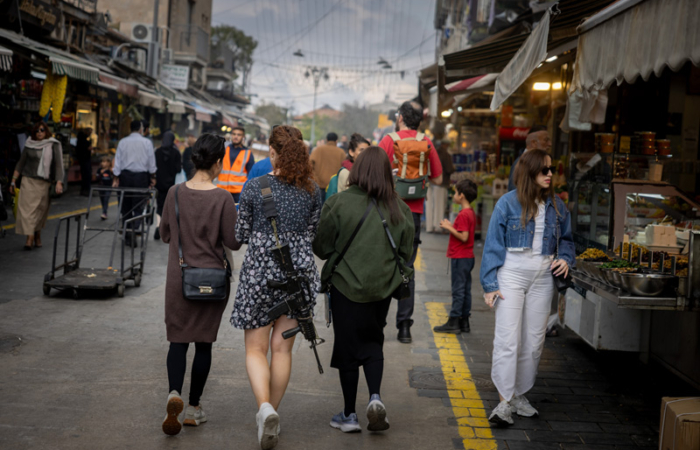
(467, 406)
(58, 216)
(418, 264)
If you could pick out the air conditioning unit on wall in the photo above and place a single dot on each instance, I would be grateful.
(141, 32)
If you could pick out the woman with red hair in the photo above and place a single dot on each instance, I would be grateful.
(298, 203)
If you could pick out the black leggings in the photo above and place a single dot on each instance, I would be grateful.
(177, 364)
(350, 378)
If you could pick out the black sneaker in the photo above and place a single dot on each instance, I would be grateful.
(464, 324)
(156, 235)
(451, 326)
(404, 335)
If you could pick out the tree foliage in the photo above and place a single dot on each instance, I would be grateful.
(240, 44)
(275, 115)
(355, 119)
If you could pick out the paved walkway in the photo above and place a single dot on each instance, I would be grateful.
(90, 374)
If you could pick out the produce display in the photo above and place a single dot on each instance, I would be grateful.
(594, 254)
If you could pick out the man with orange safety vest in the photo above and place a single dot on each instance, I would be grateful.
(238, 162)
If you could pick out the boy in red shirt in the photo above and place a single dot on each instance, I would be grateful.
(461, 251)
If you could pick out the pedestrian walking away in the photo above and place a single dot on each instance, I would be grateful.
(134, 166)
(298, 203)
(202, 244)
(41, 164)
(528, 227)
(104, 178)
(436, 201)
(238, 163)
(168, 164)
(187, 165)
(83, 153)
(461, 253)
(356, 146)
(326, 161)
(362, 273)
(408, 119)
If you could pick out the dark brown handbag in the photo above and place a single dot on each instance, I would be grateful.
(201, 284)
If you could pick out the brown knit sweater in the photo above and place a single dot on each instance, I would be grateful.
(326, 161)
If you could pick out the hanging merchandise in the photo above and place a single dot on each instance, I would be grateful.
(59, 95)
(46, 94)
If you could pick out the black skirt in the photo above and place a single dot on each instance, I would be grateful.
(358, 330)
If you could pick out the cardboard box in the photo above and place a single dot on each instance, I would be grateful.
(680, 423)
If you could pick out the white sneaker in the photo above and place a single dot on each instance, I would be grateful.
(268, 426)
(194, 416)
(376, 414)
(501, 415)
(522, 407)
(174, 406)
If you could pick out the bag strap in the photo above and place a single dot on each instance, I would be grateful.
(352, 237)
(183, 265)
(391, 241)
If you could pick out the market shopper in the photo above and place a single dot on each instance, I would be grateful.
(326, 160)
(134, 166)
(238, 163)
(528, 227)
(297, 201)
(104, 178)
(83, 153)
(408, 119)
(187, 164)
(363, 281)
(356, 146)
(40, 164)
(169, 165)
(203, 244)
(460, 251)
(537, 139)
(436, 201)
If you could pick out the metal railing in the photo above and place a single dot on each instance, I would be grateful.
(190, 39)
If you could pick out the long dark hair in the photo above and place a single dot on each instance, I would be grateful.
(529, 166)
(208, 149)
(292, 163)
(372, 173)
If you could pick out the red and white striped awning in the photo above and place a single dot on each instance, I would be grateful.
(474, 83)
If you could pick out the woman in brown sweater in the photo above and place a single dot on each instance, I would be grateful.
(207, 223)
(41, 162)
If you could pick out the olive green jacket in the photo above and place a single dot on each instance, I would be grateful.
(368, 272)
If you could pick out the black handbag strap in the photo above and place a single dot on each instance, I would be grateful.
(391, 241)
(183, 265)
(352, 237)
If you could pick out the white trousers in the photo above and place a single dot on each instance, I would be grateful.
(436, 203)
(527, 286)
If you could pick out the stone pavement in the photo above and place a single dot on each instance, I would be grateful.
(90, 374)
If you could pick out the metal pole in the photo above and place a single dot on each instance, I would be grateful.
(313, 118)
(153, 45)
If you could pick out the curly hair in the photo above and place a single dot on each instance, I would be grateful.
(292, 163)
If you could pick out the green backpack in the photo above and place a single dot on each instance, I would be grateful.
(333, 185)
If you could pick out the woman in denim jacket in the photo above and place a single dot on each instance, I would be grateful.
(516, 274)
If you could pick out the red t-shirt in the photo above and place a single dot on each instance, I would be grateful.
(465, 221)
(387, 144)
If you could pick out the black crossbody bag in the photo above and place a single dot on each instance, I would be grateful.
(404, 289)
(199, 284)
(561, 282)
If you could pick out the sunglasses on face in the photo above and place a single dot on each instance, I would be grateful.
(547, 170)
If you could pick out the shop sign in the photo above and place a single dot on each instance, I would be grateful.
(513, 133)
(100, 93)
(174, 76)
(34, 12)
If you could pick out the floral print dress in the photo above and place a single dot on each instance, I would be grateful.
(297, 220)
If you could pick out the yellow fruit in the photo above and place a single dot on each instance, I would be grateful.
(46, 94)
(59, 95)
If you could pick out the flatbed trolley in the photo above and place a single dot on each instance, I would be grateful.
(76, 278)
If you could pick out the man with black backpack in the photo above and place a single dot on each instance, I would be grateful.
(418, 163)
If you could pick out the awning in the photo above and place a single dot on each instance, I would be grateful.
(228, 120)
(202, 116)
(176, 107)
(5, 59)
(647, 36)
(472, 84)
(73, 69)
(152, 100)
(121, 85)
(526, 59)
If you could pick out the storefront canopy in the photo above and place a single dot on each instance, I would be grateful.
(74, 69)
(151, 99)
(177, 107)
(119, 84)
(5, 59)
(632, 38)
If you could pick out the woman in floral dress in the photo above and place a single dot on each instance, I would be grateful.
(298, 201)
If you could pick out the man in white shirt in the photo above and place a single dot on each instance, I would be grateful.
(134, 166)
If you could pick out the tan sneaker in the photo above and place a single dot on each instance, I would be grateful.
(194, 416)
(175, 405)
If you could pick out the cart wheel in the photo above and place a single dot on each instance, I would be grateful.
(47, 289)
(76, 295)
(137, 280)
(120, 290)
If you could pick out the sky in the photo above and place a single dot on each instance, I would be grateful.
(347, 36)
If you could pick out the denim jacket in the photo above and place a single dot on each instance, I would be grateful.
(506, 233)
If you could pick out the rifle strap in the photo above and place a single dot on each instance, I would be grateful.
(269, 205)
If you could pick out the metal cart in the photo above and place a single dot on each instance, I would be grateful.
(76, 278)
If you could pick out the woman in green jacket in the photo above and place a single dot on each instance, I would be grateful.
(362, 282)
